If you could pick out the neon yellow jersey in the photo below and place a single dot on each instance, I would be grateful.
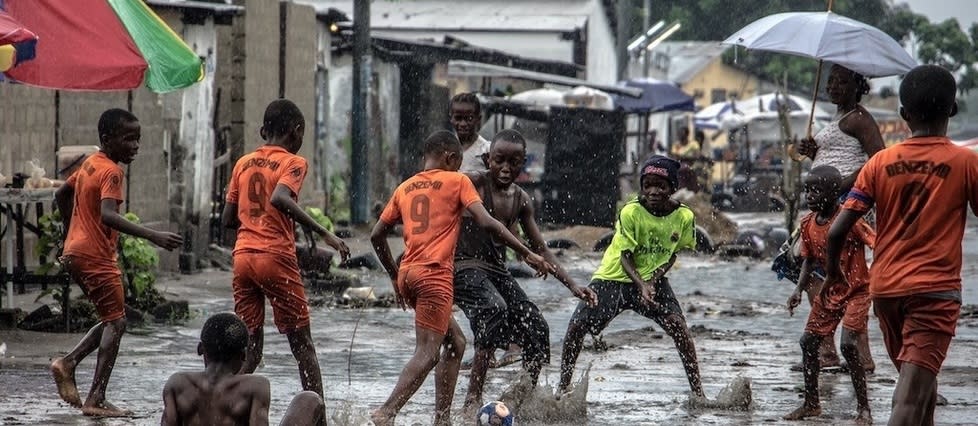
(652, 239)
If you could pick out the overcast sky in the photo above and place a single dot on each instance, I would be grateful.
(938, 10)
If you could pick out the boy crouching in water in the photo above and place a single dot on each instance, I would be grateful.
(835, 302)
(220, 396)
(650, 231)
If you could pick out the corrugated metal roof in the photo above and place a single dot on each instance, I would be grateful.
(498, 15)
(188, 4)
(678, 61)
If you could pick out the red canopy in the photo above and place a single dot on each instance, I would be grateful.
(81, 44)
(12, 31)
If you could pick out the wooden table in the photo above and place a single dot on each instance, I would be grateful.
(15, 205)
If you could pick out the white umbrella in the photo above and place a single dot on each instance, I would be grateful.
(727, 115)
(828, 37)
(544, 97)
(589, 98)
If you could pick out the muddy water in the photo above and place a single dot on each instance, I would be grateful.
(736, 308)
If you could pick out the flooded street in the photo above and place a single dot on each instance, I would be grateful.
(735, 309)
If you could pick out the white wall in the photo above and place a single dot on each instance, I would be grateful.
(602, 62)
(196, 126)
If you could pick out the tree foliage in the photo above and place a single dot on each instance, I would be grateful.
(943, 43)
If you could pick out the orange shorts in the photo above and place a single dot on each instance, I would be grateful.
(429, 291)
(853, 314)
(277, 277)
(917, 329)
(101, 281)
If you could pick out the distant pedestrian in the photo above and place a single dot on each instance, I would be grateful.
(465, 114)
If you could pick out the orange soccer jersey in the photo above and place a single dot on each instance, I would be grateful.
(99, 178)
(430, 206)
(921, 188)
(814, 237)
(265, 229)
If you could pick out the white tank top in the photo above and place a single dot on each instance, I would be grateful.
(838, 149)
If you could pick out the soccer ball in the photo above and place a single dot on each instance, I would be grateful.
(495, 413)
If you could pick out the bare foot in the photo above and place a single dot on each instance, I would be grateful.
(65, 379)
(381, 419)
(803, 412)
(105, 410)
(864, 417)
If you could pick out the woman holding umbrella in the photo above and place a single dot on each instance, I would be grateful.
(845, 144)
(849, 141)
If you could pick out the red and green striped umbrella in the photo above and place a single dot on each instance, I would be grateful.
(98, 45)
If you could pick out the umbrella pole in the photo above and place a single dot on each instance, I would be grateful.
(792, 149)
(818, 79)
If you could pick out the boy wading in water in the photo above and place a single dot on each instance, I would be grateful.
(497, 308)
(220, 396)
(835, 302)
(649, 232)
(921, 188)
(430, 206)
(261, 205)
(89, 204)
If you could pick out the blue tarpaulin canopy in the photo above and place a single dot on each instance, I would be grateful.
(657, 96)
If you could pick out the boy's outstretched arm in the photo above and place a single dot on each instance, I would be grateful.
(65, 199)
(804, 281)
(229, 217)
(378, 238)
(539, 246)
(112, 219)
(836, 240)
(282, 200)
(487, 222)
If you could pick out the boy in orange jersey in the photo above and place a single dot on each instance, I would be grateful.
(832, 304)
(921, 188)
(430, 206)
(261, 205)
(89, 204)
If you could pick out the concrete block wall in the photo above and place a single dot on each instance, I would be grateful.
(260, 59)
(26, 128)
(300, 46)
(247, 76)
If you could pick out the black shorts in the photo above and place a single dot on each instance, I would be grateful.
(615, 297)
(500, 313)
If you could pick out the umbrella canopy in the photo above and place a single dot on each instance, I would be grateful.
(545, 97)
(12, 31)
(100, 45)
(589, 98)
(828, 37)
(726, 115)
(657, 96)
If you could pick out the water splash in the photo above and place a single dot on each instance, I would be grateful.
(736, 396)
(541, 405)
